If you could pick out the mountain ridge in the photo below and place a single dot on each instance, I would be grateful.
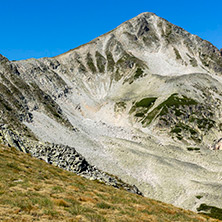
(140, 15)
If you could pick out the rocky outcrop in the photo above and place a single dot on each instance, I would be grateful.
(67, 158)
(217, 145)
(62, 156)
(184, 118)
(12, 139)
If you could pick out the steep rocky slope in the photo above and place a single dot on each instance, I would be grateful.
(142, 102)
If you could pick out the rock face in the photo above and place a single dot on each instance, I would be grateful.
(142, 102)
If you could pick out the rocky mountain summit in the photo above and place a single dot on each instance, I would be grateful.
(142, 102)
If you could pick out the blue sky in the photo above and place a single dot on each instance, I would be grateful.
(31, 28)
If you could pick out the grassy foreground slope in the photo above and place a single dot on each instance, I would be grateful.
(32, 190)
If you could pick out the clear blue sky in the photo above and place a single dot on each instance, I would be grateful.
(39, 28)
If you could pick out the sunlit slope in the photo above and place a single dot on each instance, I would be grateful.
(31, 189)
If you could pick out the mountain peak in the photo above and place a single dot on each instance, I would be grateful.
(151, 38)
(146, 14)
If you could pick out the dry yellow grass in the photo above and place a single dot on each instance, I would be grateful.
(31, 190)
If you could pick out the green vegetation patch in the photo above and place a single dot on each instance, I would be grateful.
(191, 133)
(100, 62)
(168, 30)
(146, 102)
(211, 211)
(117, 75)
(178, 56)
(141, 107)
(176, 130)
(103, 205)
(139, 114)
(110, 61)
(205, 123)
(174, 102)
(193, 149)
(90, 63)
(185, 117)
(138, 73)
